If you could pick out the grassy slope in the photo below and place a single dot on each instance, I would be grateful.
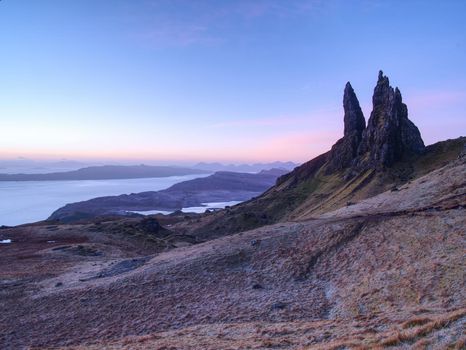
(308, 191)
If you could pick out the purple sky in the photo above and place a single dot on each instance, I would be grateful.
(225, 80)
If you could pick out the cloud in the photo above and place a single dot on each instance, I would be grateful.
(278, 121)
(178, 35)
(182, 23)
(302, 120)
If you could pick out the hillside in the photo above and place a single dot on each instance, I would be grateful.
(353, 278)
(106, 172)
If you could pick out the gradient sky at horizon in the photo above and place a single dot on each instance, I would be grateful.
(232, 81)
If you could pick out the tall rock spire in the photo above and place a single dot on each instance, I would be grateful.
(389, 135)
(354, 119)
(345, 150)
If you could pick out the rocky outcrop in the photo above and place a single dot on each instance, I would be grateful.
(345, 150)
(390, 135)
(365, 162)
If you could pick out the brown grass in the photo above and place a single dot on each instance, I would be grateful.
(461, 344)
(419, 321)
(423, 329)
(410, 331)
(290, 336)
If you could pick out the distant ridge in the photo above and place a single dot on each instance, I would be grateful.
(256, 167)
(106, 172)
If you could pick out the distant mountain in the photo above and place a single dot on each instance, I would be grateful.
(106, 172)
(222, 186)
(29, 166)
(245, 168)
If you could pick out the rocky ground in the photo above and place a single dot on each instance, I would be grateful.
(385, 272)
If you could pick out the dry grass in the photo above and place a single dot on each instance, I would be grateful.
(461, 344)
(423, 328)
(294, 335)
(419, 321)
(412, 330)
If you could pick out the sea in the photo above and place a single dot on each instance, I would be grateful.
(197, 210)
(30, 201)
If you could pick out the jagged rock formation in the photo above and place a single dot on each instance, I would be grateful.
(365, 162)
(389, 135)
(346, 149)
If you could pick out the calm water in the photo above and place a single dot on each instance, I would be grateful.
(30, 201)
(199, 210)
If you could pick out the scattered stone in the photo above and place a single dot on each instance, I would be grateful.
(255, 242)
(122, 267)
(79, 250)
(257, 286)
(460, 156)
(150, 225)
(59, 284)
(278, 305)
(64, 247)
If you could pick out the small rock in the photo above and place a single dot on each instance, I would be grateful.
(257, 286)
(58, 284)
(278, 305)
(255, 242)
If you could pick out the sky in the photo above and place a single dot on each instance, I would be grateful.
(217, 80)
